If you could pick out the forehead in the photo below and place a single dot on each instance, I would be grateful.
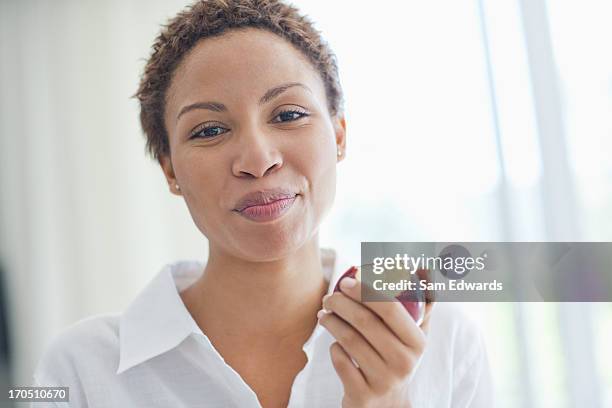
(240, 65)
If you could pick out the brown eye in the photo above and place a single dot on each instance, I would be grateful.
(289, 116)
(207, 132)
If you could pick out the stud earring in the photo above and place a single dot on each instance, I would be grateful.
(177, 186)
(339, 153)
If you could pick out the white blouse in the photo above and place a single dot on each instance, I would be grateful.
(155, 355)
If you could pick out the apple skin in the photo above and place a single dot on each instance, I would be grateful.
(415, 309)
(351, 272)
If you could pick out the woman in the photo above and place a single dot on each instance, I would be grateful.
(242, 107)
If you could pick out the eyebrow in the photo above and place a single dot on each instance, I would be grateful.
(219, 107)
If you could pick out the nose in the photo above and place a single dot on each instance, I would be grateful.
(257, 158)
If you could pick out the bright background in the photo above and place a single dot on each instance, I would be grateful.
(468, 120)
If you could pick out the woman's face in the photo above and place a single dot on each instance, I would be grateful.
(247, 112)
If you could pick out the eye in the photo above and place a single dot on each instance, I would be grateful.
(208, 131)
(289, 115)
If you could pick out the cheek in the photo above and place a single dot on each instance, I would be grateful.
(197, 171)
(200, 189)
(318, 165)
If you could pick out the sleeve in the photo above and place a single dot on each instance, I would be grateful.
(56, 369)
(473, 383)
(37, 382)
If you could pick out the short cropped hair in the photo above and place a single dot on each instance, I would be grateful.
(210, 18)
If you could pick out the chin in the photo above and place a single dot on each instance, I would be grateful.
(271, 244)
(266, 251)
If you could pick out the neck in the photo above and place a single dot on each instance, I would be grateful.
(259, 301)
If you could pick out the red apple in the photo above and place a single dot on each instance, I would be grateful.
(416, 309)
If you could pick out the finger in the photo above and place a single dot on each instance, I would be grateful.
(392, 312)
(428, 309)
(396, 354)
(352, 378)
(426, 275)
(430, 297)
(370, 362)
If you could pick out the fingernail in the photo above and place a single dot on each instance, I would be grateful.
(348, 283)
(320, 313)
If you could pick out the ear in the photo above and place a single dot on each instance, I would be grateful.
(340, 131)
(166, 165)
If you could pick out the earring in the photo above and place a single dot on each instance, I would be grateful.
(339, 153)
(177, 186)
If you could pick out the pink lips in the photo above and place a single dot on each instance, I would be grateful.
(263, 197)
(265, 205)
(268, 212)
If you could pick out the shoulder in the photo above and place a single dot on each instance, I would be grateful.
(454, 362)
(90, 344)
(456, 334)
(457, 342)
(451, 322)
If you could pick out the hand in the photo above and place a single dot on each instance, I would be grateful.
(382, 339)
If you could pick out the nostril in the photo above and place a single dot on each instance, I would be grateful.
(275, 165)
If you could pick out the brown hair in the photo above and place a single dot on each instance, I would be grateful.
(209, 18)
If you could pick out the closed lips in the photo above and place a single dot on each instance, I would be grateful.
(263, 197)
(273, 201)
